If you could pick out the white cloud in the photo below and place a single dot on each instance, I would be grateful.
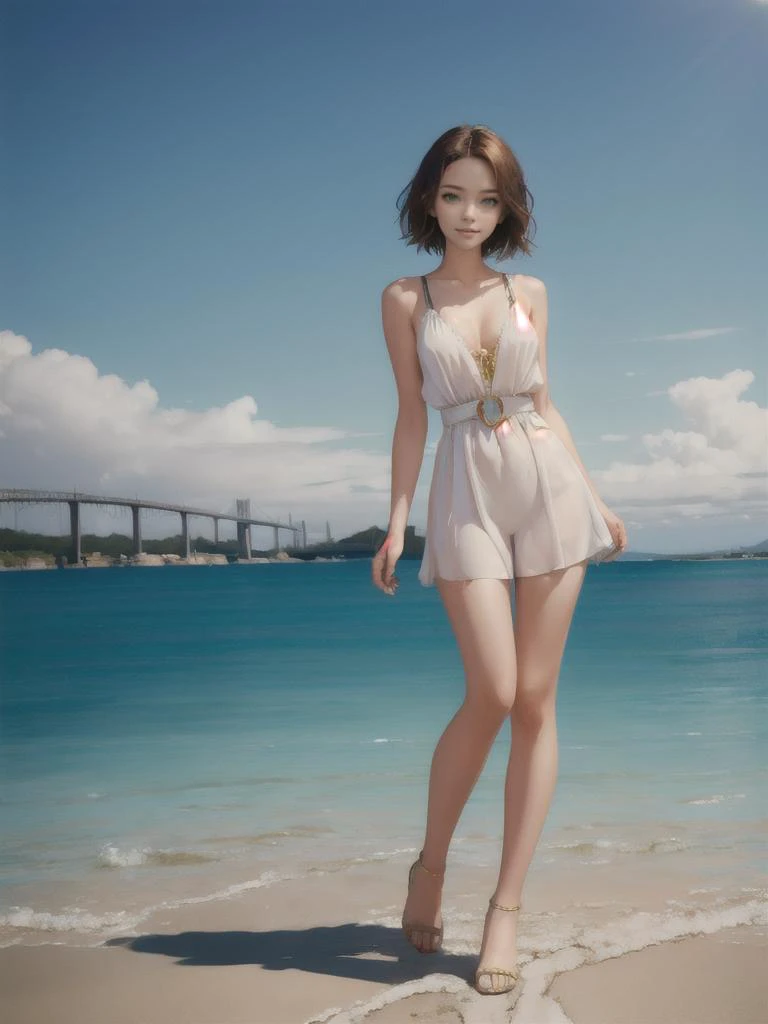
(65, 425)
(718, 466)
(695, 335)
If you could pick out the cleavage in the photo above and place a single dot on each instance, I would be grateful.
(478, 350)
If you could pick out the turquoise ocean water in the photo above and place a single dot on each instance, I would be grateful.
(194, 729)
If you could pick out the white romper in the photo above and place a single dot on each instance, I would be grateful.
(508, 500)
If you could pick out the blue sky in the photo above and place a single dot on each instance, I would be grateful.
(199, 215)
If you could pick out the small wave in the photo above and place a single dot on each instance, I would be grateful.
(588, 847)
(72, 919)
(643, 928)
(86, 922)
(343, 863)
(717, 798)
(113, 857)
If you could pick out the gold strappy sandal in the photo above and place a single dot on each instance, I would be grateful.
(513, 974)
(411, 927)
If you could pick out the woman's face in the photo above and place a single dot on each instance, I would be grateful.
(467, 199)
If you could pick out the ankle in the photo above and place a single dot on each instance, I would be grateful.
(433, 865)
(508, 900)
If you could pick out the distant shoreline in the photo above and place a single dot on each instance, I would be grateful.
(161, 561)
(201, 560)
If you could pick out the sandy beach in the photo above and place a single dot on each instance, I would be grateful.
(608, 946)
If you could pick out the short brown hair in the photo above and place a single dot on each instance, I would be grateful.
(421, 229)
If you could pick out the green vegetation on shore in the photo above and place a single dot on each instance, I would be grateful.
(17, 548)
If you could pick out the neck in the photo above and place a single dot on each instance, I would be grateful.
(466, 268)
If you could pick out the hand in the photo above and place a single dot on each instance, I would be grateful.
(617, 530)
(383, 565)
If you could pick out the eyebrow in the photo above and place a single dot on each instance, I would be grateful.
(460, 188)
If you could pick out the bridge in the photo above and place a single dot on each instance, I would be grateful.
(75, 499)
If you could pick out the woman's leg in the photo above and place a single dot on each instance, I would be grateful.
(480, 614)
(544, 607)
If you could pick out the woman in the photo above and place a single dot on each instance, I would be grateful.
(509, 499)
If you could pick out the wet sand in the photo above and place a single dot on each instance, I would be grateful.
(612, 944)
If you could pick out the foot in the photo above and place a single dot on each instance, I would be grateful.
(422, 907)
(498, 952)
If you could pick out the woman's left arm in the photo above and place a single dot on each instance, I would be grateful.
(537, 293)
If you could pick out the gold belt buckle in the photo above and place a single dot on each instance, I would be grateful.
(496, 399)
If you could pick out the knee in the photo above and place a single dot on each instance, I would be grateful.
(491, 703)
(534, 706)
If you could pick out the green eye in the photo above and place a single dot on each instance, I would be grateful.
(488, 199)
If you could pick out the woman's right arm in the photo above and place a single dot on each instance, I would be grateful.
(410, 433)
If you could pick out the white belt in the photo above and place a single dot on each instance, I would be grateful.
(501, 408)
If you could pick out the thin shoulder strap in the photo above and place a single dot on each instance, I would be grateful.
(428, 297)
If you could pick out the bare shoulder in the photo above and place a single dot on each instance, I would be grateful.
(402, 291)
(533, 283)
(532, 287)
(534, 293)
(399, 298)
(402, 285)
